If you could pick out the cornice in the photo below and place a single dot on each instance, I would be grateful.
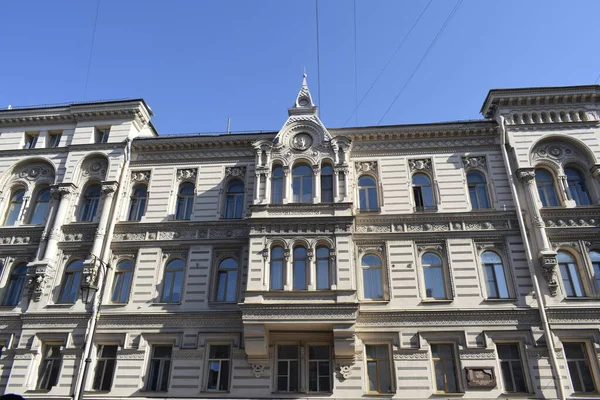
(135, 109)
(61, 149)
(539, 96)
(295, 312)
(198, 142)
(569, 218)
(180, 232)
(448, 318)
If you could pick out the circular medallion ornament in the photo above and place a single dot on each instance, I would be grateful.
(303, 102)
(301, 141)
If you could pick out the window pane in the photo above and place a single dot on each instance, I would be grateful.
(276, 275)
(213, 374)
(287, 352)
(385, 384)
(371, 260)
(322, 274)
(372, 283)
(373, 204)
(434, 283)
(483, 196)
(372, 372)
(224, 383)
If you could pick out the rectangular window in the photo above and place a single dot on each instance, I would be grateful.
(53, 139)
(30, 140)
(319, 369)
(580, 368)
(288, 371)
(218, 368)
(49, 367)
(160, 367)
(378, 369)
(511, 368)
(101, 135)
(445, 368)
(105, 367)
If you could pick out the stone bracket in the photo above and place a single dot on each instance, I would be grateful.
(549, 266)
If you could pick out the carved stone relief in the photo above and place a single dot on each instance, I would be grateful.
(140, 176)
(421, 164)
(475, 162)
(187, 174)
(95, 168)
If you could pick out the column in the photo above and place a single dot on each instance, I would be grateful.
(257, 198)
(287, 184)
(316, 184)
(346, 197)
(61, 193)
(336, 184)
(289, 275)
(108, 192)
(267, 198)
(311, 262)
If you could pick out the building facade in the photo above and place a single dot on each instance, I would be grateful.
(455, 259)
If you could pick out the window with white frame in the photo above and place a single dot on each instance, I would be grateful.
(288, 368)
(89, 202)
(323, 268)
(434, 276)
(511, 367)
(219, 365)
(378, 368)
(478, 190)
(71, 283)
(319, 368)
(569, 273)
(49, 371)
(372, 274)
(423, 192)
(300, 268)
(544, 181)
(41, 203)
(277, 177)
(277, 268)
(302, 184)
(106, 363)
(53, 139)
(595, 259)
(122, 282)
(227, 277)
(444, 367)
(137, 205)
(15, 206)
(173, 281)
(367, 194)
(495, 275)
(185, 201)
(327, 183)
(15, 285)
(577, 187)
(234, 202)
(30, 140)
(101, 135)
(160, 368)
(580, 368)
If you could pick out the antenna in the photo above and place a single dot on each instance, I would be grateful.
(228, 125)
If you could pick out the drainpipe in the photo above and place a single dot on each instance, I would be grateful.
(98, 297)
(536, 285)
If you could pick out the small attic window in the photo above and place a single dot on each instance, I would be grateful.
(303, 102)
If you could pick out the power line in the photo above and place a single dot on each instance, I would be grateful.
(355, 67)
(87, 74)
(318, 54)
(388, 62)
(433, 42)
(597, 79)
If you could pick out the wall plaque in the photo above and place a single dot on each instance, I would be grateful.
(480, 377)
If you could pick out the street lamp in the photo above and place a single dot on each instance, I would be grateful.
(89, 287)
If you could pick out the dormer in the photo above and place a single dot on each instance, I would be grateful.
(303, 164)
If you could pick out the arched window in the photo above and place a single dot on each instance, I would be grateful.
(323, 268)
(14, 287)
(71, 282)
(367, 194)
(433, 273)
(569, 273)
(227, 276)
(326, 184)
(577, 187)
(372, 276)
(302, 184)
(91, 198)
(234, 205)
(173, 281)
(14, 207)
(422, 192)
(595, 258)
(495, 277)
(38, 214)
(478, 190)
(277, 268)
(300, 268)
(122, 282)
(545, 186)
(185, 201)
(137, 206)
(277, 185)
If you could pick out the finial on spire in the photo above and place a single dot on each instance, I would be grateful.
(304, 99)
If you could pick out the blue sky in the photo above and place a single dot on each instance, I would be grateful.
(199, 62)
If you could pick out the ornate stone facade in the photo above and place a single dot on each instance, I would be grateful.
(301, 266)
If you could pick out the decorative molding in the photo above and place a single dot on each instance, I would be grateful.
(420, 164)
(140, 176)
(257, 370)
(366, 166)
(526, 175)
(410, 355)
(447, 318)
(235, 172)
(549, 266)
(477, 354)
(188, 174)
(344, 370)
(189, 354)
(34, 172)
(95, 168)
(477, 162)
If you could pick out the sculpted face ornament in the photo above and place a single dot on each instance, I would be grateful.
(301, 141)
